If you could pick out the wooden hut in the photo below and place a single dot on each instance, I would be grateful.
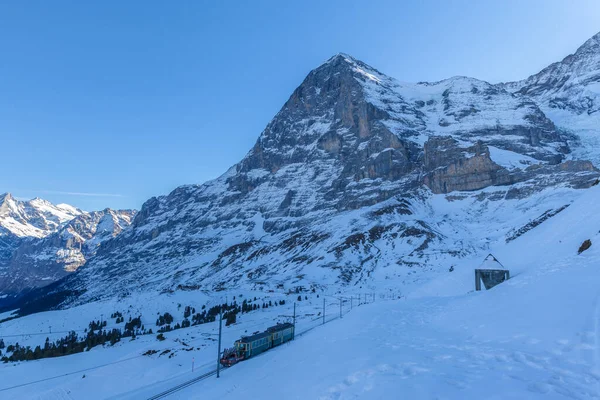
(491, 272)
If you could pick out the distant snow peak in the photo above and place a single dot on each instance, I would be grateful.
(33, 218)
(40, 261)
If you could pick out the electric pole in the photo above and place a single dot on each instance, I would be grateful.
(351, 303)
(341, 308)
(323, 310)
(220, 329)
(294, 331)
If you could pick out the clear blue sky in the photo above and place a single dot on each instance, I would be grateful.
(107, 103)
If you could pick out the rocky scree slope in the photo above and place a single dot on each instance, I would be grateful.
(343, 188)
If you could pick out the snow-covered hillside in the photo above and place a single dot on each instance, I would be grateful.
(535, 336)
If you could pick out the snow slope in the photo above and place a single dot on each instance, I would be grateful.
(535, 336)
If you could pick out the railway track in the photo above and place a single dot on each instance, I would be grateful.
(214, 372)
(183, 385)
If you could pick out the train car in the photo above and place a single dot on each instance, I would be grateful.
(281, 333)
(250, 346)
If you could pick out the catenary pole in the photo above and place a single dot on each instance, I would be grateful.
(220, 330)
(294, 332)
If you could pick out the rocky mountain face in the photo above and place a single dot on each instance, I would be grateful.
(358, 180)
(43, 242)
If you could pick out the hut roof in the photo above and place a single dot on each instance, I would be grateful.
(491, 262)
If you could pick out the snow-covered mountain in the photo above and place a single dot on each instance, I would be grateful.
(39, 262)
(568, 92)
(361, 184)
(41, 242)
(359, 180)
(34, 218)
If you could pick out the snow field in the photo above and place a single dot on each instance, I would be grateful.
(170, 364)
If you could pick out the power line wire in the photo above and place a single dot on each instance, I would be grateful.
(69, 373)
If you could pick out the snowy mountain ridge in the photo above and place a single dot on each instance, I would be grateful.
(34, 218)
(568, 92)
